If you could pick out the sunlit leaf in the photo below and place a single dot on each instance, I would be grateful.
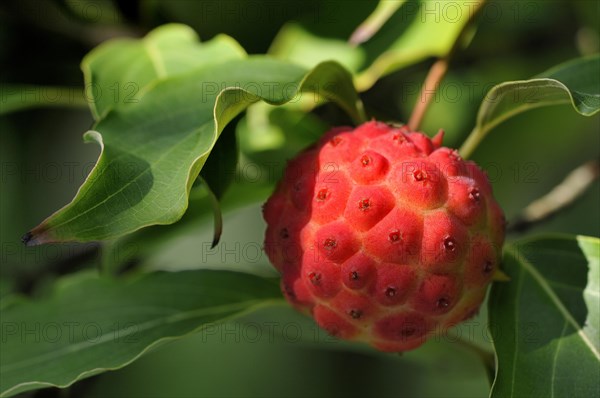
(397, 37)
(153, 149)
(120, 72)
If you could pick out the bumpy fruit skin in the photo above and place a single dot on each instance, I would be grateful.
(383, 235)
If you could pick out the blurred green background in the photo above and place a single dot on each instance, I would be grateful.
(277, 352)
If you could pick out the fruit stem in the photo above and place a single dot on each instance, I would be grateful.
(434, 77)
(487, 357)
(437, 72)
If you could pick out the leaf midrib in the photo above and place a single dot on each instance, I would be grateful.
(132, 181)
(516, 345)
(106, 337)
(555, 358)
(155, 59)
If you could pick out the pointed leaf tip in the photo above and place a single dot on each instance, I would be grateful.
(27, 238)
(38, 236)
(134, 186)
(216, 239)
(35, 237)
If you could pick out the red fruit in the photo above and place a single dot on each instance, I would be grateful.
(369, 167)
(394, 283)
(437, 294)
(466, 201)
(402, 331)
(330, 197)
(367, 205)
(383, 235)
(396, 238)
(445, 241)
(335, 242)
(358, 272)
(481, 262)
(449, 162)
(334, 323)
(417, 181)
(354, 306)
(321, 277)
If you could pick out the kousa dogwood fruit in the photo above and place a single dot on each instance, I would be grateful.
(383, 235)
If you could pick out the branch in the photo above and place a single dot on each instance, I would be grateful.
(17, 97)
(382, 13)
(563, 195)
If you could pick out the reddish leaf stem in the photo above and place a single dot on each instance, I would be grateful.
(436, 74)
(434, 77)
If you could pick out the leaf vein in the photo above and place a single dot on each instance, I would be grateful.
(555, 358)
(552, 295)
(107, 337)
(155, 59)
(516, 345)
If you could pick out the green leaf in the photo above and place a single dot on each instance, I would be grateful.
(576, 82)
(401, 36)
(268, 136)
(135, 247)
(591, 251)
(90, 324)
(418, 30)
(285, 343)
(218, 173)
(295, 43)
(120, 72)
(219, 170)
(153, 149)
(216, 210)
(544, 322)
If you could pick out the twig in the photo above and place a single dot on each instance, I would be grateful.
(563, 195)
(17, 97)
(436, 74)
